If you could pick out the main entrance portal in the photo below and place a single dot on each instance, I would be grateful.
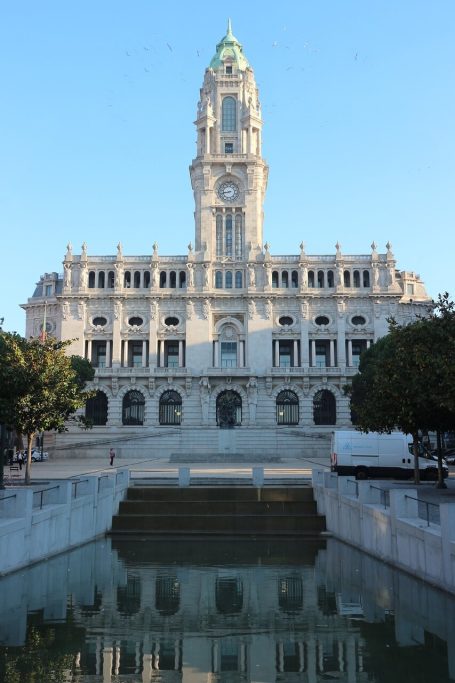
(228, 410)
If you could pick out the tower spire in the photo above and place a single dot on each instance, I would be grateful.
(229, 28)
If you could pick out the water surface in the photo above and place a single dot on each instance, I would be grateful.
(181, 611)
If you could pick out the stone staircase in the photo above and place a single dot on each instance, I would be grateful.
(220, 510)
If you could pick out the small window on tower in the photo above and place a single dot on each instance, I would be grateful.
(228, 147)
(229, 68)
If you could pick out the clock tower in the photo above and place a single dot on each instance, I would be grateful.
(229, 175)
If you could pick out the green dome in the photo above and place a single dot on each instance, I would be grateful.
(229, 46)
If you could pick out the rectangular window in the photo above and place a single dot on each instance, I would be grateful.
(229, 69)
(99, 354)
(136, 354)
(321, 360)
(228, 354)
(228, 147)
(409, 289)
(172, 354)
(48, 290)
(285, 354)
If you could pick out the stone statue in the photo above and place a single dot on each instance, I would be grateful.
(204, 388)
(82, 275)
(206, 275)
(154, 275)
(69, 251)
(119, 250)
(252, 275)
(67, 283)
(252, 388)
(251, 309)
(189, 309)
(84, 250)
(118, 274)
(190, 274)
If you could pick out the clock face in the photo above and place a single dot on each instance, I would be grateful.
(228, 191)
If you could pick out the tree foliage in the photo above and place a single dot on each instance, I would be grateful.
(406, 380)
(40, 386)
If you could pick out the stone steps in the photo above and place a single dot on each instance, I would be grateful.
(219, 511)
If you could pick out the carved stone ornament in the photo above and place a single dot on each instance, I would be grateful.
(65, 310)
(189, 309)
(206, 309)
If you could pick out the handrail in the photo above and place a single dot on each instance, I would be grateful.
(356, 486)
(51, 488)
(76, 483)
(103, 476)
(6, 497)
(384, 495)
(426, 504)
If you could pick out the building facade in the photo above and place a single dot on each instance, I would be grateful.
(227, 335)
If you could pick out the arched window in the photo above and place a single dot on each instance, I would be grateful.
(147, 279)
(228, 235)
(356, 278)
(91, 279)
(127, 279)
(285, 279)
(294, 279)
(167, 595)
(275, 279)
(170, 408)
(287, 408)
(96, 409)
(172, 279)
(129, 596)
(324, 408)
(182, 279)
(229, 114)
(101, 277)
(347, 278)
(219, 234)
(218, 279)
(163, 277)
(133, 408)
(366, 278)
(238, 279)
(228, 280)
(330, 278)
(290, 594)
(228, 595)
(111, 279)
(137, 279)
(228, 409)
(320, 279)
(238, 235)
(311, 278)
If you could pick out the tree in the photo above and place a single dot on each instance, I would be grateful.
(406, 380)
(40, 389)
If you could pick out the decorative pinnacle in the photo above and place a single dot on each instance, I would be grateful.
(373, 246)
(229, 28)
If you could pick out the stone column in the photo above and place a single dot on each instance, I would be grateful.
(108, 353)
(313, 353)
(144, 353)
(332, 353)
(89, 350)
(216, 359)
(350, 353)
(296, 354)
(241, 355)
(181, 364)
(277, 353)
(125, 353)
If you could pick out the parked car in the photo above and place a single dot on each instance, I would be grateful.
(36, 455)
(449, 456)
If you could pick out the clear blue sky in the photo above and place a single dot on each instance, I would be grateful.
(98, 99)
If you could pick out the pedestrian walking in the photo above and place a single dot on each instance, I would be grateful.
(20, 459)
(111, 456)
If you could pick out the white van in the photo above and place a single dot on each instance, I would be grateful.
(379, 455)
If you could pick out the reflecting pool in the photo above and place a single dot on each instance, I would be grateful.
(179, 611)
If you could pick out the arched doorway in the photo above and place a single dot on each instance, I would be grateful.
(324, 408)
(228, 409)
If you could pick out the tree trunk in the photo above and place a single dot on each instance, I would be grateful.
(28, 464)
(415, 448)
(441, 483)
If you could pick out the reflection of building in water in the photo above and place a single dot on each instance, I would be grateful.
(253, 613)
(220, 624)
